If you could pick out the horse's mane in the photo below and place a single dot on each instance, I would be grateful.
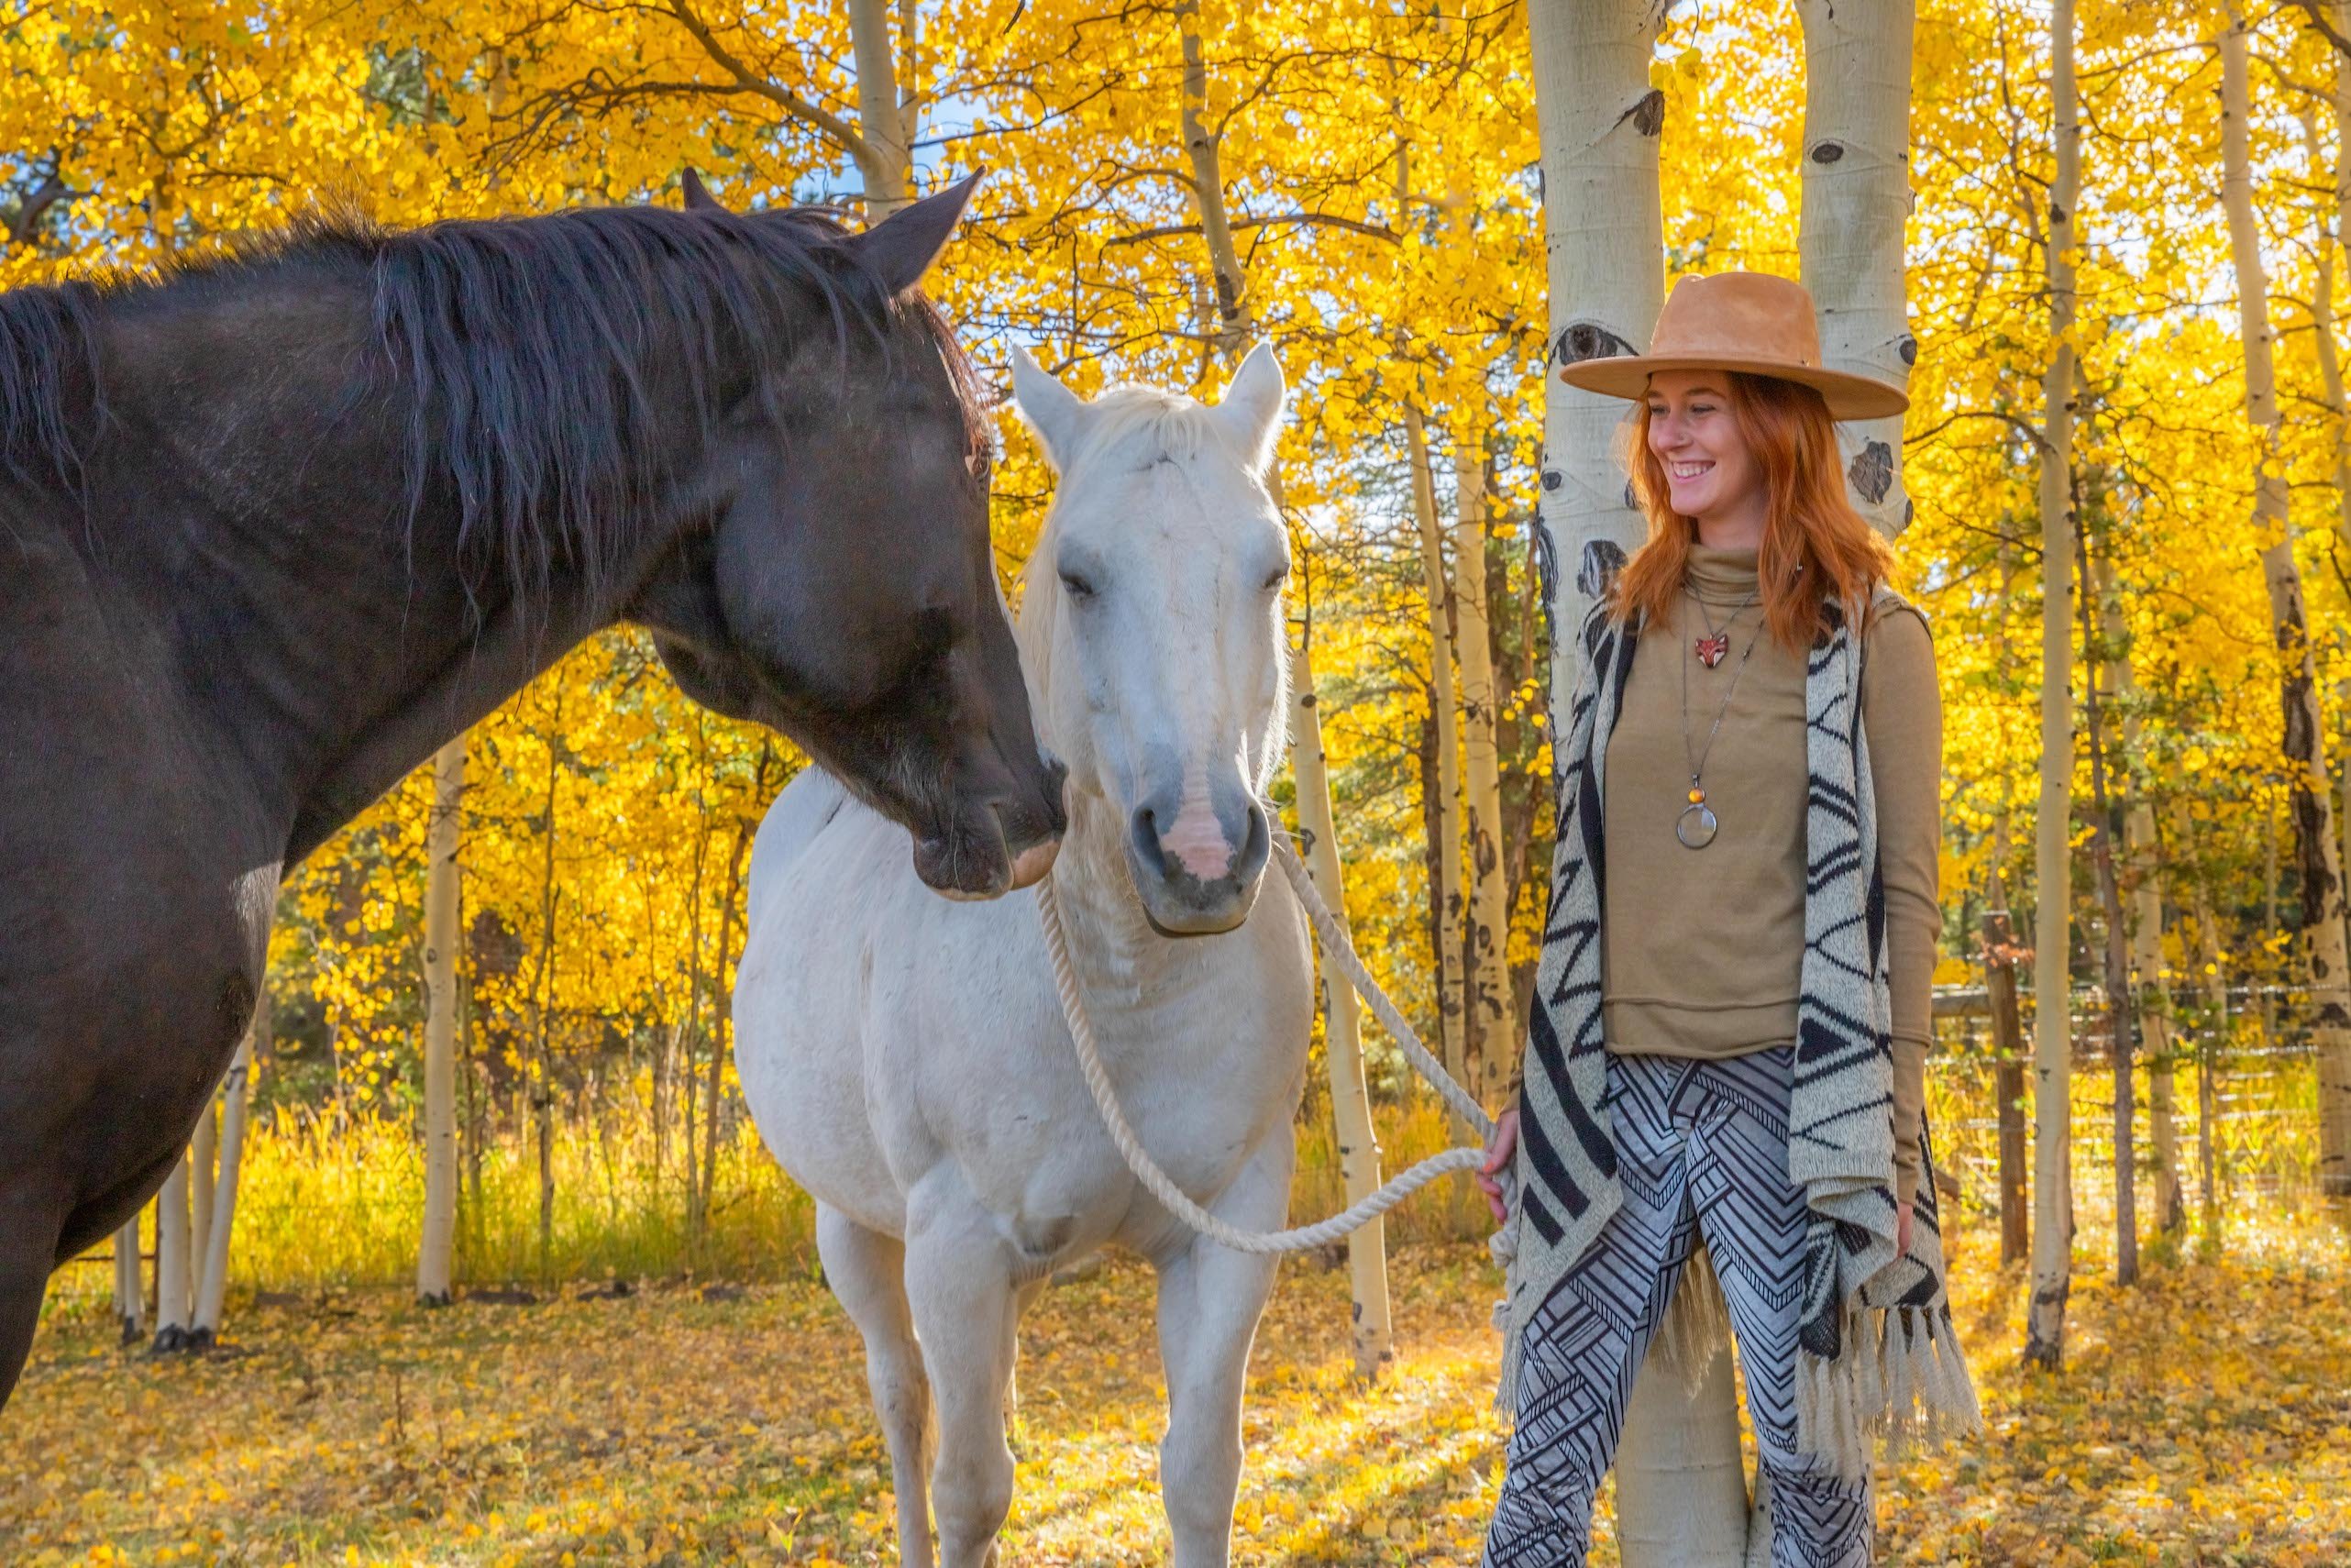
(524, 347)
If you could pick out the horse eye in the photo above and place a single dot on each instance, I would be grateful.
(1281, 575)
(1078, 587)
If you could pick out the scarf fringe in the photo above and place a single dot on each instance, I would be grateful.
(1503, 1246)
(1902, 1381)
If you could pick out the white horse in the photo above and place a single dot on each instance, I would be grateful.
(906, 1057)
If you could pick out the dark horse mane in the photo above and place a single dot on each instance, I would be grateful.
(524, 347)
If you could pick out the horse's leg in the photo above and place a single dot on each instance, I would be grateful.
(868, 1272)
(964, 1315)
(1209, 1301)
(1025, 1298)
(28, 1239)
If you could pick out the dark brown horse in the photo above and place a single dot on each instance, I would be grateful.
(273, 527)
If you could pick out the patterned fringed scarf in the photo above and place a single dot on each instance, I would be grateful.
(1878, 1355)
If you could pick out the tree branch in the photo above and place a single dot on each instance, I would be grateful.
(809, 113)
(2315, 11)
(1333, 220)
(25, 222)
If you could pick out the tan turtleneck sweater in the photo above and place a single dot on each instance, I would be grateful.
(1702, 950)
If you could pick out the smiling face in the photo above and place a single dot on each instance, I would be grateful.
(1711, 472)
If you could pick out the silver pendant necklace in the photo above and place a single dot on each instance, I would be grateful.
(1698, 825)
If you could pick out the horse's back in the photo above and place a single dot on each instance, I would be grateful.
(803, 810)
(820, 863)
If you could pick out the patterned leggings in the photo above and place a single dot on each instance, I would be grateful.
(1701, 1148)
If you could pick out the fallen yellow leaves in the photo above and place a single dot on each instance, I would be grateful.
(2205, 1418)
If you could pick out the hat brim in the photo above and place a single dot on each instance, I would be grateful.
(1848, 396)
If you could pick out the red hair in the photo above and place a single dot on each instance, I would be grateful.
(1815, 547)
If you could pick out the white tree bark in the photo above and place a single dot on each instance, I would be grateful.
(1681, 1484)
(2326, 950)
(1452, 1023)
(171, 1263)
(882, 116)
(1492, 1038)
(1359, 1155)
(1599, 121)
(1603, 233)
(212, 1280)
(2053, 1067)
(204, 1150)
(130, 1282)
(437, 1239)
(1373, 1333)
(1855, 207)
(2052, 925)
(2209, 1038)
(2142, 885)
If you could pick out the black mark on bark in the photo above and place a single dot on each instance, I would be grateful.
(1872, 471)
(1603, 559)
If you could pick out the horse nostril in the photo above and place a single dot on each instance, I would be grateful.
(1258, 848)
(1144, 829)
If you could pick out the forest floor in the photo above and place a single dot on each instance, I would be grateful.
(2204, 1418)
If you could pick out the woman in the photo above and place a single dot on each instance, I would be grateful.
(1729, 1035)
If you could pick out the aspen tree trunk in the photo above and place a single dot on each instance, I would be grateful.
(1604, 234)
(2329, 358)
(1850, 244)
(2008, 1084)
(1856, 203)
(171, 1263)
(2052, 923)
(882, 159)
(2142, 885)
(543, 990)
(1452, 1023)
(721, 1016)
(1999, 944)
(2215, 1009)
(1490, 1034)
(1599, 120)
(130, 1283)
(2215, 1029)
(2270, 921)
(212, 1282)
(437, 1241)
(1359, 1154)
(2326, 950)
(204, 1150)
(2108, 803)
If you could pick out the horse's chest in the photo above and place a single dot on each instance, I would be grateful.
(1205, 1075)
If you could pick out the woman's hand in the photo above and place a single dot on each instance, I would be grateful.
(1498, 1152)
(1902, 1230)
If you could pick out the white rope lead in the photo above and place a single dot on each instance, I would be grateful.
(1336, 950)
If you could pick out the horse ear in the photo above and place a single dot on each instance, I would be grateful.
(697, 195)
(905, 245)
(1052, 410)
(1252, 410)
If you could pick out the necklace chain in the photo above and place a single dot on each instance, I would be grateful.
(1696, 825)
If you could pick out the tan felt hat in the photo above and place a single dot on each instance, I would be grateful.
(1740, 320)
